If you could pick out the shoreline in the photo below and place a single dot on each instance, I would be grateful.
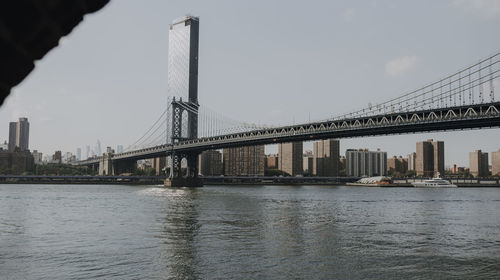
(211, 181)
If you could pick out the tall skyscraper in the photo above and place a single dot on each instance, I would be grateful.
(79, 153)
(183, 44)
(363, 162)
(478, 164)
(12, 136)
(87, 152)
(495, 163)
(326, 158)
(22, 134)
(290, 158)
(119, 149)
(244, 161)
(98, 150)
(430, 158)
(19, 133)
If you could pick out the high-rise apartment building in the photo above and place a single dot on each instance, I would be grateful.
(430, 158)
(19, 133)
(12, 136)
(272, 161)
(397, 164)
(495, 163)
(307, 162)
(326, 158)
(363, 162)
(290, 158)
(244, 161)
(210, 163)
(478, 164)
(22, 134)
(411, 161)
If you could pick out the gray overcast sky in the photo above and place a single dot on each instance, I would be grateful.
(267, 62)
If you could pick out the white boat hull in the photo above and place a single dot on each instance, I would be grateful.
(431, 186)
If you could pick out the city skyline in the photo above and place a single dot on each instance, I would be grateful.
(399, 68)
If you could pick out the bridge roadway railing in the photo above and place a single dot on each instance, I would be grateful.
(440, 119)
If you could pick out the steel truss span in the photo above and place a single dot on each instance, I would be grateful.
(440, 119)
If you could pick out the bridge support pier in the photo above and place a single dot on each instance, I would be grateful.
(106, 165)
(176, 178)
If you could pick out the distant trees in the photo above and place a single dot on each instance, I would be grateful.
(275, 172)
(407, 174)
(62, 169)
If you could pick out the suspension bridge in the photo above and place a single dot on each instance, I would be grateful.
(462, 100)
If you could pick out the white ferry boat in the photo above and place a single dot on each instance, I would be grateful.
(437, 182)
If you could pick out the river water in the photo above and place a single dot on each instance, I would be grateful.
(248, 232)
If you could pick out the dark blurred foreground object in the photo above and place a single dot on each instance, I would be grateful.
(31, 28)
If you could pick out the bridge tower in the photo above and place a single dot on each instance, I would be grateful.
(183, 82)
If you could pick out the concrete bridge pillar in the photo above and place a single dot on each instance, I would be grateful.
(106, 165)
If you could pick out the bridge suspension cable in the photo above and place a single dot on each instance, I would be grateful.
(152, 135)
(212, 123)
(446, 92)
